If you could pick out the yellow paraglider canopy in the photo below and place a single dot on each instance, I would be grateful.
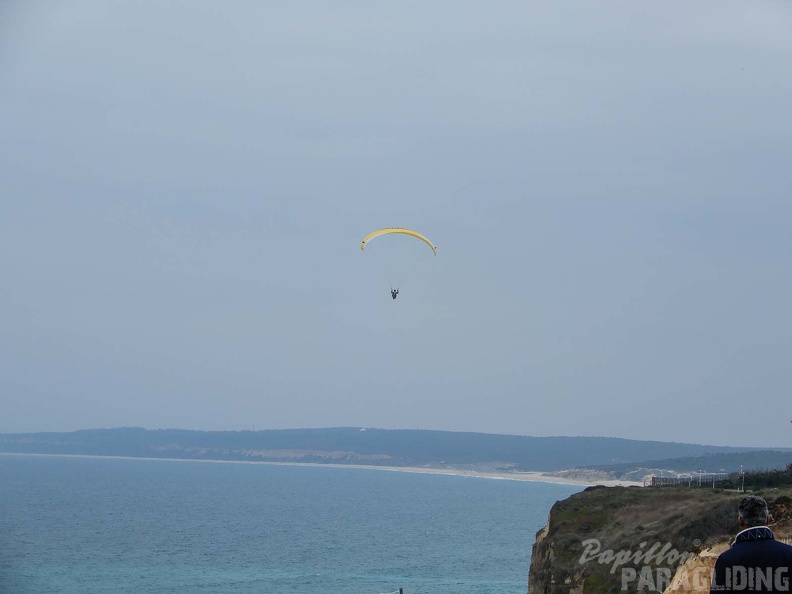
(401, 230)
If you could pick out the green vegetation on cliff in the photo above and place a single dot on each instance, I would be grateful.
(592, 535)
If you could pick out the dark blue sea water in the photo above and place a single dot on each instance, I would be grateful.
(92, 525)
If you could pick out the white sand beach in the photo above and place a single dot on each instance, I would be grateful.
(533, 476)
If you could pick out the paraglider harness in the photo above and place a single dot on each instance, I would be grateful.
(394, 293)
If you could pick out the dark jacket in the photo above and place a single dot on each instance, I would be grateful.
(756, 562)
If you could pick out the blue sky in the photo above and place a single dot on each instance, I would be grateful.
(185, 187)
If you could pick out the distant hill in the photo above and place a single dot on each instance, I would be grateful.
(354, 445)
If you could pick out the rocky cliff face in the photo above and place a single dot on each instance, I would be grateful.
(631, 539)
(694, 576)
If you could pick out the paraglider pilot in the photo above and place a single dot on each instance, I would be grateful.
(394, 293)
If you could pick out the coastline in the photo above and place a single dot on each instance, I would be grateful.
(529, 476)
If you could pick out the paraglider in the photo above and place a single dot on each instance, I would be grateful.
(402, 231)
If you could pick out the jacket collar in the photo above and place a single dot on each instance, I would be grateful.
(755, 533)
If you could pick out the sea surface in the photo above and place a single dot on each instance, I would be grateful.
(102, 525)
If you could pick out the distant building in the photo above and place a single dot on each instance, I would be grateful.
(698, 479)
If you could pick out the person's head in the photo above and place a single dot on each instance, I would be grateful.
(753, 512)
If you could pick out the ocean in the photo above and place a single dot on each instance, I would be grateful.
(103, 525)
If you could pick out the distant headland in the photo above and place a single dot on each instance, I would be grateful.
(574, 460)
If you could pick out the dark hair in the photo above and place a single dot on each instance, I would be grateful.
(753, 511)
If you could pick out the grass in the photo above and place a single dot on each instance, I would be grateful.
(622, 518)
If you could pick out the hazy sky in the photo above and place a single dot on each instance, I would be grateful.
(184, 186)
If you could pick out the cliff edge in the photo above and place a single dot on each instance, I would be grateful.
(629, 539)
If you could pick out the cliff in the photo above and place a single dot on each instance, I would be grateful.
(630, 539)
